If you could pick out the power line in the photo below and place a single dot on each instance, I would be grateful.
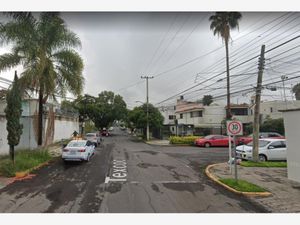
(242, 63)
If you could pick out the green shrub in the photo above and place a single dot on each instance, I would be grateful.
(24, 160)
(189, 140)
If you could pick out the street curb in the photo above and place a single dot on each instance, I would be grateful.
(247, 194)
(169, 145)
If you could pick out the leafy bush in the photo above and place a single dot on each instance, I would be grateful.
(183, 140)
(24, 160)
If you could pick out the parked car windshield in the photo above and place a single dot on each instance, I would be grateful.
(261, 143)
(90, 135)
(77, 144)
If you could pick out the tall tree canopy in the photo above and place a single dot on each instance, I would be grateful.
(44, 46)
(221, 24)
(207, 99)
(296, 91)
(102, 110)
(138, 116)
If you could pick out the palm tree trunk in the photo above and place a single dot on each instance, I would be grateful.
(40, 118)
(228, 111)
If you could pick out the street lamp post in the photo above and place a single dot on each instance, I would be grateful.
(283, 78)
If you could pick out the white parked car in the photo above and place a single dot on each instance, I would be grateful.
(269, 149)
(93, 137)
(78, 150)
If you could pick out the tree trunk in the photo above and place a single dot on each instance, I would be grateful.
(40, 118)
(228, 111)
(12, 153)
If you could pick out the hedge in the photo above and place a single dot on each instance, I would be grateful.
(189, 140)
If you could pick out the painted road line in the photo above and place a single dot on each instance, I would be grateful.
(107, 179)
(119, 171)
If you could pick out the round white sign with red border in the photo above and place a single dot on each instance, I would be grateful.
(234, 128)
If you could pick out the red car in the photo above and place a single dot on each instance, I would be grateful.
(105, 132)
(213, 140)
(249, 138)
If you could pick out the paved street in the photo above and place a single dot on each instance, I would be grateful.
(128, 176)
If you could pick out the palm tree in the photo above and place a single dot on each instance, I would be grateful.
(44, 46)
(296, 91)
(221, 24)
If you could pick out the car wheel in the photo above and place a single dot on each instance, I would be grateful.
(95, 145)
(262, 158)
(207, 145)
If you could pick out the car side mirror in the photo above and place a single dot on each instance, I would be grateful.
(271, 147)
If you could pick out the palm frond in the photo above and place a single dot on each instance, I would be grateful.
(9, 61)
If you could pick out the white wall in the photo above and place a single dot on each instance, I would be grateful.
(292, 128)
(3, 135)
(63, 129)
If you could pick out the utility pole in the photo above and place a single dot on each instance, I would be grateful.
(147, 102)
(257, 105)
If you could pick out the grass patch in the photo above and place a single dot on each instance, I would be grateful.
(242, 185)
(188, 140)
(24, 160)
(263, 164)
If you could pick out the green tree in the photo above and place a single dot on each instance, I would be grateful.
(138, 117)
(221, 24)
(207, 99)
(296, 91)
(13, 112)
(102, 110)
(44, 46)
(109, 107)
(273, 125)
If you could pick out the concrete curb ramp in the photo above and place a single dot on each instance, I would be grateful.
(247, 194)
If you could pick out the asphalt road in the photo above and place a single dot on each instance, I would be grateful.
(127, 176)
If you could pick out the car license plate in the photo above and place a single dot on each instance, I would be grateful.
(73, 152)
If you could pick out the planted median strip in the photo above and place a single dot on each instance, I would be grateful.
(25, 161)
(263, 164)
(242, 185)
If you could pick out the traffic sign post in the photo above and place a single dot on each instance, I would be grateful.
(234, 128)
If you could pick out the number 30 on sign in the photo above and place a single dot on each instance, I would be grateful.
(234, 128)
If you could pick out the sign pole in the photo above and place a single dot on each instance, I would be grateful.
(230, 154)
(234, 128)
(235, 164)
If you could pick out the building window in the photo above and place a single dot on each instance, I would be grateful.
(172, 117)
(175, 107)
(196, 114)
(271, 109)
(239, 111)
(181, 116)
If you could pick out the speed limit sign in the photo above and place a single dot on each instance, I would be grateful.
(234, 128)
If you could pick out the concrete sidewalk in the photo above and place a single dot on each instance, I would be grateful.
(285, 196)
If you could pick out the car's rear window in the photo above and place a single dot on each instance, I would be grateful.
(77, 144)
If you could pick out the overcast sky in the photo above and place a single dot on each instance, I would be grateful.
(180, 51)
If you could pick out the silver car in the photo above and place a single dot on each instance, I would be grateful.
(269, 149)
(93, 137)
